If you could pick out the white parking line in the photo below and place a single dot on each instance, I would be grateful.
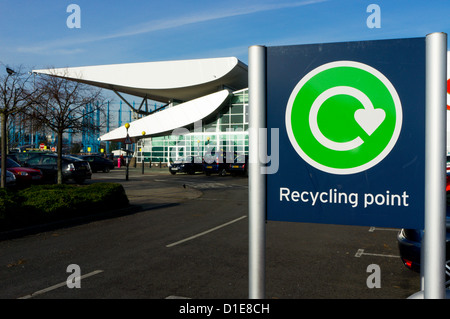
(361, 252)
(43, 291)
(206, 232)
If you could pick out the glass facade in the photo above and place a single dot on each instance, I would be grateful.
(226, 132)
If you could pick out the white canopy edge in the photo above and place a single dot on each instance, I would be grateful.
(162, 81)
(166, 121)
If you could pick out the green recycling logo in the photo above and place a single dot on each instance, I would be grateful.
(344, 117)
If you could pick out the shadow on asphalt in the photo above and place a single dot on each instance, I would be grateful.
(76, 221)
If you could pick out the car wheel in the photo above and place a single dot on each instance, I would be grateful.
(106, 170)
(172, 172)
(223, 172)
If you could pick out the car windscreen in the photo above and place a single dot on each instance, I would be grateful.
(241, 159)
(10, 163)
(72, 158)
(182, 160)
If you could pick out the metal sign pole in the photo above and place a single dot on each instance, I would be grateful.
(435, 163)
(256, 180)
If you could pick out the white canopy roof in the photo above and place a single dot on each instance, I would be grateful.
(203, 83)
(166, 121)
(164, 81)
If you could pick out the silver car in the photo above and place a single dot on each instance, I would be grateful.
(10, 179)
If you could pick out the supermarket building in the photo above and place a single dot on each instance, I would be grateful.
(206, 105)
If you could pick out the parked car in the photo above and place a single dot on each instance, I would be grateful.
(72, 168)
(240, 166)
(410, 241)
(22, 157)
(98, 163)
(24, 176)
(189, 164)
(10, 179)
(448, 164)
(217, 163)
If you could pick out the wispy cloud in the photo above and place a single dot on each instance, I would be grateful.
(159, 25)
(164, 24)
(50, 49)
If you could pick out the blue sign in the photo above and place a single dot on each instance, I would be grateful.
(351, 119)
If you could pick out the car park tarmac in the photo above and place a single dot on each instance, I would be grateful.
(188, 238)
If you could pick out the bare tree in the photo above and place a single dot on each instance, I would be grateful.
(17, 93)
(62, 107)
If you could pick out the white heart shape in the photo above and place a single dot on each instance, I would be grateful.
(370, 119)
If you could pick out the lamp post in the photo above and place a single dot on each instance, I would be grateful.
(142, 152)
(207, 143)
(127, 126)
(198, 147)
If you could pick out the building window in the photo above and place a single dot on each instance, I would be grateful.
(227, 132)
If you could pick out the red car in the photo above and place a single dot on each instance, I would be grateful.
(24, 175)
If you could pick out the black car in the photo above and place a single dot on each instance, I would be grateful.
(239, 166)
(98, 163)
(410, 241)
(22, 157)
(217, 162)
(189, 164)
(72, 168)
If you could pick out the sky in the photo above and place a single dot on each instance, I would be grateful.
(36, 33)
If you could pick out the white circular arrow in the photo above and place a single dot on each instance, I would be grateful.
(368, 118)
